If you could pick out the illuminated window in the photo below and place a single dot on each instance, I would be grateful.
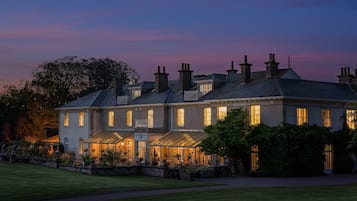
(136, 93)
(326, 117)
(207, 116)
(111, 119)
(150, 118)
(221, 112)
(351, 118)
(254, 158)
(254, 115)
(129, 118)
(180, 117)
(328, 157)
(301, 116)
(141, 151)
(66, 119)
(81, 119)
(205, 88)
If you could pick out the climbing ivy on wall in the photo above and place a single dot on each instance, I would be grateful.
(290, 150)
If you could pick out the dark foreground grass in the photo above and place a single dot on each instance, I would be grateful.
(316, 193)
(31, 182)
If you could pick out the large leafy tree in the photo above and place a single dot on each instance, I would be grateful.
(28, 112)
(67, 78)
(227, 137)
(13, 107)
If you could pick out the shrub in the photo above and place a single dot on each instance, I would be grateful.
(290, 150)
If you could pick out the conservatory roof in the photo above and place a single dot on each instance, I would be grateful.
(188, 139)
(107, 137)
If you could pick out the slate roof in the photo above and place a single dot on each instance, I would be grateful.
(93, 99)
(316, 90)
(259, 86)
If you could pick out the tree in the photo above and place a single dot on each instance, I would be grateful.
(62, 80)
(28, 112)
(227, 138)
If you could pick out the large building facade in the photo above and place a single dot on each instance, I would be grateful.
(163, 121)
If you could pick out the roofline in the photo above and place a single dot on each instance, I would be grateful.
(77, 108)
(247, 99)
(320, 99)
(204, 102)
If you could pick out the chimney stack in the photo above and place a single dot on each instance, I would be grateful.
(346, 77)
(117, 86)
(271, 66)
(245, 71)
(185, 77)
(161, 80)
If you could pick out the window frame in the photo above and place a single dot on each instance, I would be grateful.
(351, 118)
(204, 88)
(66, 119)
(302, 116)
(150, 118)
(207, 116)
(81, 119)
(255, 114)
(129, 118)
(180, 117)
(220, 113)
(111, 119)
(326, 113)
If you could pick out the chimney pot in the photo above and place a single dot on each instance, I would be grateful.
(163, 68)
(348, 70)
(158, 69)
(245, 59)
(341, 71)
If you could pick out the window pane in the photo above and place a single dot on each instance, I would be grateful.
(326, 117)
(81, 119)
(351, 118)
(136, 93)
(328, 156)
(129, 118)
(150, 118)
(110, 118)
(221, 112)
(180, 117)
(207, 116)
(254, 115)
(66, 119)
(301, 116)
(205, 88)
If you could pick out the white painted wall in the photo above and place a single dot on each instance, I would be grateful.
(70, 135)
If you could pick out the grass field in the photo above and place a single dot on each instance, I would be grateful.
(31, 182)
(325, 193)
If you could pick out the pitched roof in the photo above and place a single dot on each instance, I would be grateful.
(316, 90)
(258, 86)
(93, 99)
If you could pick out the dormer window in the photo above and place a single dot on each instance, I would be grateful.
(135, 93)
(205, 88)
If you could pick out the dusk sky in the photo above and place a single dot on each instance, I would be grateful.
(319, 35)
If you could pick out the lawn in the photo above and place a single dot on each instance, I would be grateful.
(323, 193)
(32, 182)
